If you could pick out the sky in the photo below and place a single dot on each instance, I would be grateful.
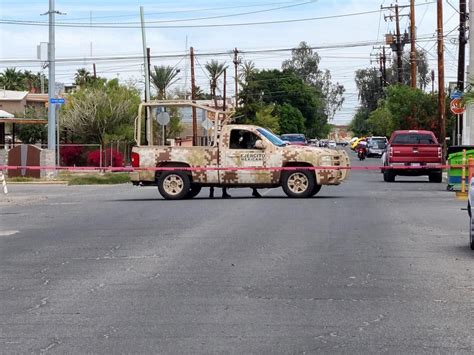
(90, 31)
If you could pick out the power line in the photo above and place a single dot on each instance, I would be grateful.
(186, 11)
(85, 25)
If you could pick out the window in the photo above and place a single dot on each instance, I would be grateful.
(413, 138)
(242, 139)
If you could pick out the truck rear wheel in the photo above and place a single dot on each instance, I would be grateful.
(388, 176)
(298, 183)
(436, 177)
(193, 191)
(174, 185)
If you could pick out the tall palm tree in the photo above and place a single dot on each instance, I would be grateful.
(162, 77)
(29, 80)
(82, 77)
(215, 70)
(11, 79)
(247, 69)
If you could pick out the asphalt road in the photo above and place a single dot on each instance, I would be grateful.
(365, 267)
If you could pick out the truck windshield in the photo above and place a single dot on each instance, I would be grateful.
(271, 137)
(413, 138)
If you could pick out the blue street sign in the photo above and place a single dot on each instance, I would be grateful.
(456, 94)
(56, 100)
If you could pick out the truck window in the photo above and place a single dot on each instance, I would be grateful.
(413, 138)
(242, 139)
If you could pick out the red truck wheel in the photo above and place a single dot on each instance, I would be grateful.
(388, 176)
(436, 177)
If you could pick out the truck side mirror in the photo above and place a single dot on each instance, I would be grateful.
(259, 144)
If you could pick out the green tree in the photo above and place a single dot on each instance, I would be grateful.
(162, 77)
(12, 79)
(359, 125)
(275, 87)
(97, 112)
(291, 119)
(33, 133)
(422, 70)
(380, 122)
(83, 77)
(247, 69)
(264, 117)
(412, 108)
(215, 70)
(370, 91)
(305, 63)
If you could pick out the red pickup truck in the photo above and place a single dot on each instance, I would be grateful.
(414, 152)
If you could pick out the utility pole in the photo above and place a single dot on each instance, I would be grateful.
(193, 96)
(468, 122)
(147, 78)
(52, 78)
(441, 93)
(236, 76)
(384, 67)
(413, 45)
(461, 60)
(225, 91)
(399, 42)
(399, 47)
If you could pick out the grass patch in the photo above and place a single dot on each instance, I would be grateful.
(21, 179)
(102, 179)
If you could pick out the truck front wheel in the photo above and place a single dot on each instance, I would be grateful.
(299, 183)
(174, 185)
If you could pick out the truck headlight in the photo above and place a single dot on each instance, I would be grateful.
(326, 160)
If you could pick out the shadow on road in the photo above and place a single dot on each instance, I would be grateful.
(230, 199)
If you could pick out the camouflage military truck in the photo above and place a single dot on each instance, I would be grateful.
(235, 159)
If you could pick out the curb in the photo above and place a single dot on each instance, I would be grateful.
(59, 182)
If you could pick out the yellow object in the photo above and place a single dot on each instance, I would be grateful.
(356, 142)
(463, 174)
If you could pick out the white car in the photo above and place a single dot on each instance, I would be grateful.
(332, 144)
(471, 219)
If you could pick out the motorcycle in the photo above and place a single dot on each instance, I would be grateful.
(361, 153)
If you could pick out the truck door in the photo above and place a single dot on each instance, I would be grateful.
(242, 153)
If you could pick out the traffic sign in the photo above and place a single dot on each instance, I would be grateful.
(457, 107)
(455, 94)
(163, 118)
(57, 100)
(207, 124)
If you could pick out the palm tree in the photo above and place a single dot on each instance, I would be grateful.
(82, 77)
(247, 69)
(215, 70)
(29, 80)
(162, 78)
(11, 79)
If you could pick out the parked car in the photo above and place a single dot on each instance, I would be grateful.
(332, 144)
(418, 152)
(376, 146)
(294, 139)
(470, 201)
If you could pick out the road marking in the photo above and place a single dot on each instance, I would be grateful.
(7, 233)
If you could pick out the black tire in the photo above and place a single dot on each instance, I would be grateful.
(193, 191)
(174, 185)
(471, 233)
(316, 189)
(388, 176)
(298, 183)
(436, 177)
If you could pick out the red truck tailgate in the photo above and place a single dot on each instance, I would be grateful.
(420, 153)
